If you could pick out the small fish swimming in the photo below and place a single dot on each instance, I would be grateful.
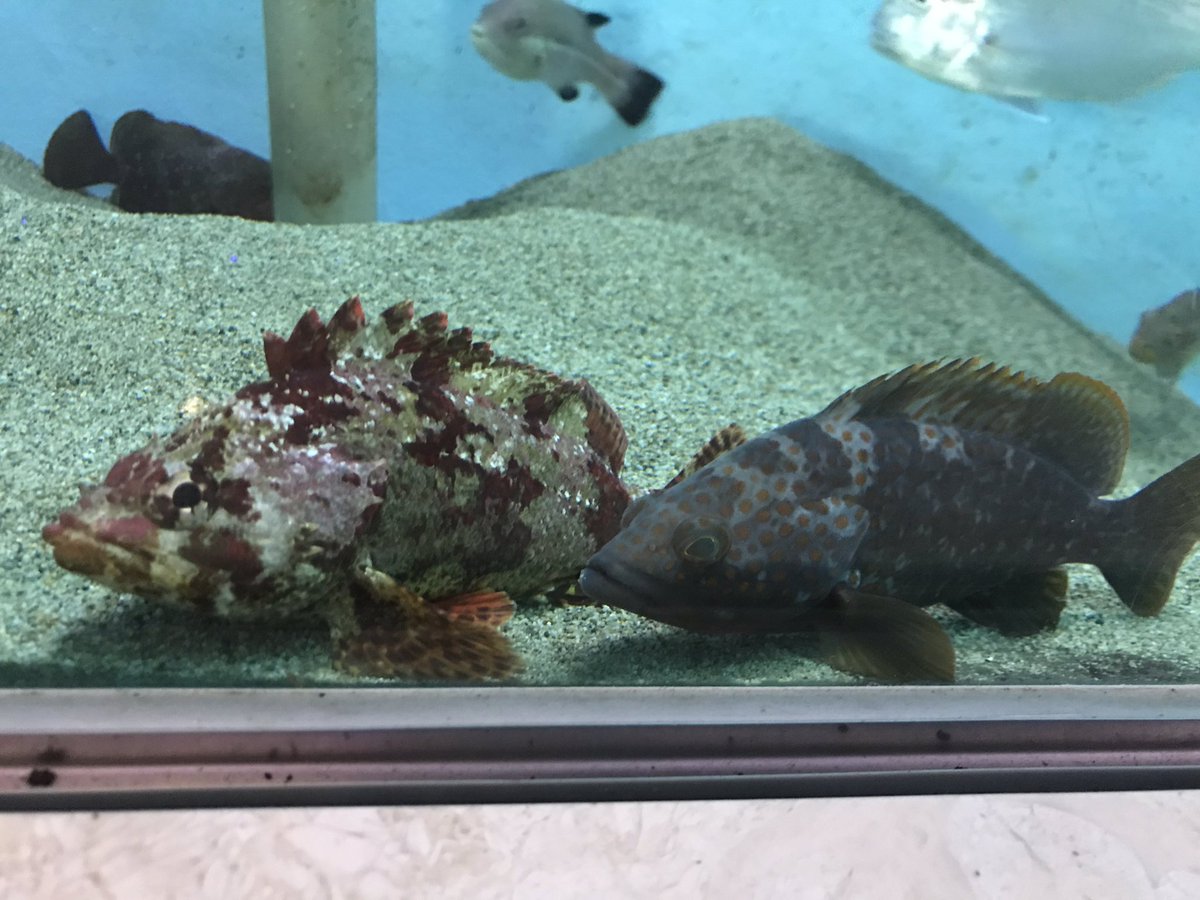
(554, 42)
(958, 483)
(1026, 50)
(1168, 337)
(396, 478)
(160, 167)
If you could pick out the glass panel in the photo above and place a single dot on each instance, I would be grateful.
(813, 200)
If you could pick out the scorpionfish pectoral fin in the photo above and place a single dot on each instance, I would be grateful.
(389, 631)
(884, 638)
(491, 608)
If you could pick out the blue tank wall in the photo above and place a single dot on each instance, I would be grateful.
(1097, 204)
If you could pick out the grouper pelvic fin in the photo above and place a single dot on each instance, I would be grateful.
(1072, 420)
(1154, 530)
(1022, 605)
(883, 638)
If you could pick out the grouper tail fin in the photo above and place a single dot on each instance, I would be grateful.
(1159, 526)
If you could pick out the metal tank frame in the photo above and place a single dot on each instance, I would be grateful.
(90, 749)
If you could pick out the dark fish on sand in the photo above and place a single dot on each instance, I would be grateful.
(1168, 337)
(160, 167)
(960, 483)
(553, 42)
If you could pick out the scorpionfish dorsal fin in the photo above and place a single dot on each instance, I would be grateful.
(556, 404)
(312, 345)
(1075, 421)
(439, 356)
(551, 403)
(722, 442)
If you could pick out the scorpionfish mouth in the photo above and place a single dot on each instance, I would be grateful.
(114, 551)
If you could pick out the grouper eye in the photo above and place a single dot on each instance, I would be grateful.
(186, 495)
(701, 540)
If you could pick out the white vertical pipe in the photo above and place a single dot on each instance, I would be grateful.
(321, 78)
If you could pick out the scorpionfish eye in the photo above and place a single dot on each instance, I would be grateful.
(186, 495)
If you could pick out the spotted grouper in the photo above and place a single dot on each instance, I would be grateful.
(397, 478)
(956, 483)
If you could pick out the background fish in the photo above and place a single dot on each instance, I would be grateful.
(160, 167)
(962, 484)
(1168, 337)
(1100, 50)
(397, 478)
(553, 42)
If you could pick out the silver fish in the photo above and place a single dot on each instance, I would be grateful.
(554, 42)
(1025, 50)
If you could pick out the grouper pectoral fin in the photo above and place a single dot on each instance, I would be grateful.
(1022, 605)
(884, 638)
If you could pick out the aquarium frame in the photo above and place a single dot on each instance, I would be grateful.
(81, 749)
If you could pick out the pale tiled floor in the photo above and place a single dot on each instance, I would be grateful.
(1121, 846)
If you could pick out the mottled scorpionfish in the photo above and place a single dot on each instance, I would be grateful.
(1168, 336)
(398, 478)
(959, 483)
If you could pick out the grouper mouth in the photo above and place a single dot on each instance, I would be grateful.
(613, 583)
(626, 588)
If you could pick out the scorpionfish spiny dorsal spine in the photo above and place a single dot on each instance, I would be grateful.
(956, 483)
(397, 478)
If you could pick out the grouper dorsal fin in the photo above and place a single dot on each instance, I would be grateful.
(1072, 420)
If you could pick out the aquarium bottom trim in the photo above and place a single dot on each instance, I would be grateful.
(125, 749)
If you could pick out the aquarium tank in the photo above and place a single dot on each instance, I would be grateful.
(459, 401)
